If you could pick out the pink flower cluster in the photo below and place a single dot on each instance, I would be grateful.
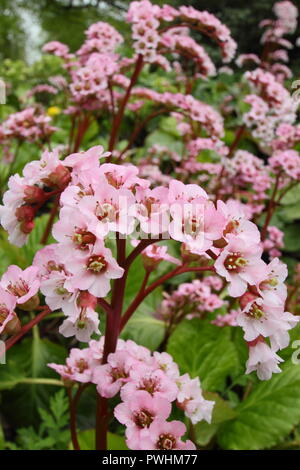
(148, 385)
(191, 300)
(274, 242)
(102, 38)
(186, 105)
(25, 195)
(263, 316)
(17, 289)
(286, 163)
(31, 124)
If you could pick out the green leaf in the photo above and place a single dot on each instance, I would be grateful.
(291, 238)
(268, 414)
(292, 196)
(204, 350)
(28, 359)
(86, 441)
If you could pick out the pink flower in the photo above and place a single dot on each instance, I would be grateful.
(77, 368)
(139, 412)
(86, 160)
(264, 317)
(112, 376)
(273, 286)
(191, 400)
(73, 229)
(240, 263)
(263, 360)
(82, 326)
(154, 254)
(22, 284)
(92, 270)
(152, 210)
(164, 435)
(155, 382)
(7, 306)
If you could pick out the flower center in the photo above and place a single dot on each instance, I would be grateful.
(81, 365)
(234, 262)
(82, 239)
(150, 385)
(96, 264)
(18, 289)
(166, 442)
(143, 418)
(255, 312)
(106, 211)
(118, 373)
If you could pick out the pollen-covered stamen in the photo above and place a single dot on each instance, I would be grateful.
(166, 442)
(143, 418)
(53, 266)
(269, 283)
(118, 373)
(231, 227)
(106, 211)
(83, 238)
(4, 312)
(19, 288)
(82, 365)
(97, 264)
(255, 312)
(235, 263)
(151, 385)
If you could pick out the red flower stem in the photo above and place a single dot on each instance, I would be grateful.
(139, 128)
(73, 412)
(110, 344)
(271, 208)
(82, 128)
(236, 140)
(120, 114)
(143, 293)
(50, 222)
(10, 342)
(105, 305)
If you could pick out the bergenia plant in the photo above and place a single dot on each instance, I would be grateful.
(197, 216)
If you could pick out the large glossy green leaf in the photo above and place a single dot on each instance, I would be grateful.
(204, 350)
(268, 414)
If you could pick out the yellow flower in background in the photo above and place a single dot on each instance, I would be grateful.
(53, 111)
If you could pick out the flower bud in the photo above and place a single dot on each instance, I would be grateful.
(86, 300)
(33, 194)
(246, 298)
(30, 304)
(59, 178)
(13, 326)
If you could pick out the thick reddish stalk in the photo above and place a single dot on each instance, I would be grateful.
(271, 207)
(111, 338)
(50, 222)
(119, 116)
